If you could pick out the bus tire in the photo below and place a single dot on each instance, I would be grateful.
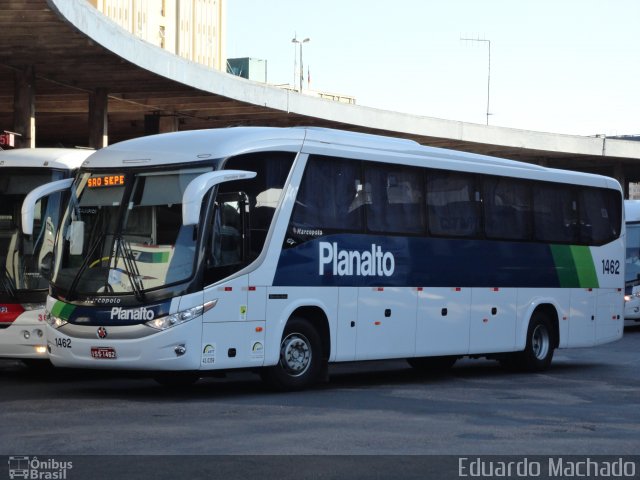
(432, 364)
(300, 364)
(538, 352)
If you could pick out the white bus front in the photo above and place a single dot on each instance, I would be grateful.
(136, 249)
(23, 288)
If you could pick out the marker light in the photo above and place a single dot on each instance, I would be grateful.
(178, 318)
(41, 349)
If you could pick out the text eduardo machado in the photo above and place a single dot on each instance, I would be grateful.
(556, 467)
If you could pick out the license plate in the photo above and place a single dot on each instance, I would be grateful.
(103, 352)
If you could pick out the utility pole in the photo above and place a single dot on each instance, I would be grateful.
(295, 40)
(488, 42)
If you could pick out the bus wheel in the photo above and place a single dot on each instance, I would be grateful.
(538, 352)
(432, 364)
(300, 361)
(176, 379)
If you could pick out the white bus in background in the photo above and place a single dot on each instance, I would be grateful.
(284, 250)
(23, 288)
(632, 264)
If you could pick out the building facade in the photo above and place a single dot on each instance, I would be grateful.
(192, 29)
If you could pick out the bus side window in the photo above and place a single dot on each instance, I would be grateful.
(555, 213)
(331, 197)
(453, 206)
(264, 192)
(396, 199)
(600, 216)
(507, 209)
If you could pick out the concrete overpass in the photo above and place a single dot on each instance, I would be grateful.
(70, 76)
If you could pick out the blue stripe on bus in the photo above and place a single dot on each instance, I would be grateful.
(417, 262)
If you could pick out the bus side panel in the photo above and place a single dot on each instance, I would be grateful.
(386, 322)
(345, 347)
(610, 315)
(582, 317)
(282, 302)
(443, 321)
(232, 345)
(529, 299)
(493, 320)
(231, 301)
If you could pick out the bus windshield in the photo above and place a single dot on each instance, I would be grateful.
(21, 256)
(122, 233)
(632, 270)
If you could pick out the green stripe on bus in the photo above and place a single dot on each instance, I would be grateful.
(574, 266)
(62, 310)
(585, 268)
(565, 265)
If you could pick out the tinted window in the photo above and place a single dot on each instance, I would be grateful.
(452, 204)
(507, 208)
(263, 191)
(331, 196)
(600, 215)
(555, 213)
(396, 199)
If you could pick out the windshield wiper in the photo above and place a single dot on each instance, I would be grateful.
(7, 283)
(130, 266)
(85, 264)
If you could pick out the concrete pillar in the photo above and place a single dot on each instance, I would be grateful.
(98, 119)
(24, 107)
(618, 174)
(168, 123)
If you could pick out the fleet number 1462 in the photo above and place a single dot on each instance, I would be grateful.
(611, 267)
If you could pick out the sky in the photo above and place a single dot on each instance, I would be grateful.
(561, 66)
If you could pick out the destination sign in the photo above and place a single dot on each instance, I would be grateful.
(106, 181)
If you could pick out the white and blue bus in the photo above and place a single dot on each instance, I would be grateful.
(23, 288)
(284, 250)
(632, 264)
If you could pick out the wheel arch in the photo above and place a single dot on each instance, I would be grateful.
(551, 312)
(319, 320)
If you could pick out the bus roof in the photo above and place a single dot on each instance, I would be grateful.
(58, 158)
(199, 145)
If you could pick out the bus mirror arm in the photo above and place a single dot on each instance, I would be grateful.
(29, 203)
(198, 188)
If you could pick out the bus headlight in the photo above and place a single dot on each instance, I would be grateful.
(178, 318)
(55, 322)
(628, 298)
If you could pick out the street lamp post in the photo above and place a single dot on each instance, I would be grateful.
(488, 42)
(300, 42)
